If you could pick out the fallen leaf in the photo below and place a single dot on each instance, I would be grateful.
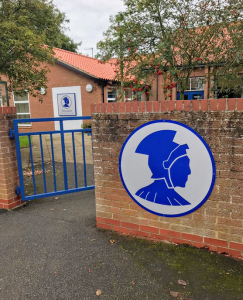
(37, 172)
(57, 198)
(182, 282)
(55, 272)
(112, 241)
(175, 294)
(0, 289)
(93, 240)
(133, 283)
(98, 292)
(52, 209)
(89, 271)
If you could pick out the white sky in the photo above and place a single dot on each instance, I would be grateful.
(88, 20)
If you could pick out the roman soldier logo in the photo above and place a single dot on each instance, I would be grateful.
(167, 168)
(66, 102)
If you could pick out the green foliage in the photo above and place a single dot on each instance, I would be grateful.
(24, 142)
(175, 37)
(86, 125)
(26, 27)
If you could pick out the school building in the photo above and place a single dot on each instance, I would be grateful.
(75, 82)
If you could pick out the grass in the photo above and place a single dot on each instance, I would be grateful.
(24, 142)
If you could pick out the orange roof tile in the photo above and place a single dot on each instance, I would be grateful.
(88, 65)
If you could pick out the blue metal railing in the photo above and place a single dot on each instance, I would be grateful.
(62, 133)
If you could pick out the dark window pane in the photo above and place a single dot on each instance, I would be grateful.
(128, 94)
(197, 84)
(112, 93)
(22, 107)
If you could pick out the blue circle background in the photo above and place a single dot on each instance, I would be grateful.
(209, 152)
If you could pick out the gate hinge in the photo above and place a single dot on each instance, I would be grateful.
(17, 190)
(11, 133)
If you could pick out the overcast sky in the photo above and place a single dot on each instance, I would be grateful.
(88, 19)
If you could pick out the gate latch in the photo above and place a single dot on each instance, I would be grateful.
(11, 133)
(17, 190)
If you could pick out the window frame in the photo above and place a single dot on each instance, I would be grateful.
(25, 113)
(190, 84)
(109, 100)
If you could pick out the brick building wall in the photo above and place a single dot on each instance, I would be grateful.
(218, 224)
(158, 84)
(8, 161)
(60, 76)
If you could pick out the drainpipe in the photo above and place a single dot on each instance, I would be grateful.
(209, 83)
(103, 92)
(157, 87)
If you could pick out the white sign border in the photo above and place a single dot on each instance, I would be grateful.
(209, 152)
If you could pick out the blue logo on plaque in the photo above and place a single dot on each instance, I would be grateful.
(167, 168)
(66, 102)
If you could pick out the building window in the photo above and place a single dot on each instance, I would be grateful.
(3, 94)
(112, 94)
(195, 84)
(21, 102)
(128, 94)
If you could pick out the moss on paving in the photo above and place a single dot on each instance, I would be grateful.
(209, 276)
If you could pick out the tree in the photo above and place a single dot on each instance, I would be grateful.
(26, 28)
(174, 37)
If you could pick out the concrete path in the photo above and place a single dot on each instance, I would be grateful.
(46, 142)
(51, 250)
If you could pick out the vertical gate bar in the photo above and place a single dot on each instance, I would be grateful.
(43, 163)
(64, 156)
(53, 163)
(85, 178)
(32, 165)
(19, 159)
(74, 161)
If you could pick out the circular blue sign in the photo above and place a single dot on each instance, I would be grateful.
(167, 168)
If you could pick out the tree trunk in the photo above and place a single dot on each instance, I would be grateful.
(182, 96)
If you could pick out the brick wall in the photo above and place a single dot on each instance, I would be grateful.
(60, 76)
(8, 161)
(218, 223)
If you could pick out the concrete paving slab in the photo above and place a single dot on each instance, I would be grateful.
(46, 143)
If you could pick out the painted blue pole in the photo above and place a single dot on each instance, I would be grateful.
(32, 165)
(64, 156)
(19, 159)
(74, 161)
(43, 163)
(84, 160)
(53, 163)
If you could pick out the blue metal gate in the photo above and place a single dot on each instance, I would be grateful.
(21, 189)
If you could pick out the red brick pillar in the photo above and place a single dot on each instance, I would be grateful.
(216, 225)
(8, 161)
